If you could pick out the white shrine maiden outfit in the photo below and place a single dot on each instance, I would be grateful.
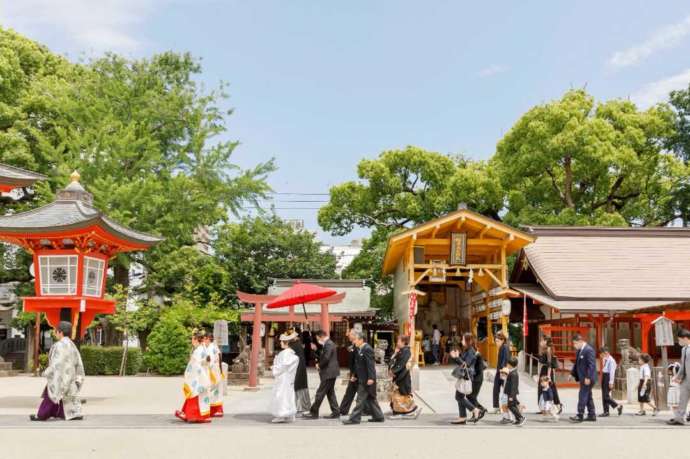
(217, 380)
(197, 382)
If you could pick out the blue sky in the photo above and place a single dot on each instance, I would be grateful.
(319, 85)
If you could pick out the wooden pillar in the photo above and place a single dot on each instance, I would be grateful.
(325, 323)
(598, 333)
(504, 267)
(644, 334)
(266, 340)
(37, 342)
(504, 325)
(614, 342)
(256, 346)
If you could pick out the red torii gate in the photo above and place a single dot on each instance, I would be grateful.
(258, 316)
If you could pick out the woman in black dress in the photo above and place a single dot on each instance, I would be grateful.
(402, 401)
(548, 363)
(478, 377)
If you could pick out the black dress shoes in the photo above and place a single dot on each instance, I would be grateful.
(604, 415)
(376, 420)
(33, 417)
(350, 422)
(591, 419)
(310, 416)
(576, 419)
(333, 416)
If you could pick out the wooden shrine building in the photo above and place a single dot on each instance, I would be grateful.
(606, 283)
(453, 272)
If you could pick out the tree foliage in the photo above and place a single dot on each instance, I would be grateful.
(255, 250)
(576, 161)
(150, 145)
(409, 186)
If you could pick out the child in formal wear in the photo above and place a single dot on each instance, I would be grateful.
(673, 396)
(546, 405)
(506, 417)
(644, 388)
(512, 390)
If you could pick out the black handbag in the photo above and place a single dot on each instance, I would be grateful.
(460, 372)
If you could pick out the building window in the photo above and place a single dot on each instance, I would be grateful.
(58, 274)
(93, 276)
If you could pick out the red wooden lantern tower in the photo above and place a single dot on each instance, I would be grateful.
(71, 242)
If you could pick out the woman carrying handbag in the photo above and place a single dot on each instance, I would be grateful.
(464, 373)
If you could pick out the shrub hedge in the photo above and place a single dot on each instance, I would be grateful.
(168, 347)
(100, 360)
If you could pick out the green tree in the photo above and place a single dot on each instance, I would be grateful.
(169, 347)
(409, 186)
(575, 161)
(257, 249)
(679, 143)
(367, 265)
(147, 140)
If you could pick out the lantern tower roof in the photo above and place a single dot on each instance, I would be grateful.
(72, 220)
(15, 177)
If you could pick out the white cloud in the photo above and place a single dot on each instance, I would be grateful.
(98, 25)
(491, 71)
(664, 38)
(658, 91)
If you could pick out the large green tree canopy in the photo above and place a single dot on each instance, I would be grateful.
(403, 187)
(575, 161)
(147, 140)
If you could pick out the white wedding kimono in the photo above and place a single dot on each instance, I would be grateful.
(65, 375)
(284, 370)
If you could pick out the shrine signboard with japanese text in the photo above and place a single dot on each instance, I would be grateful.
(458, 248)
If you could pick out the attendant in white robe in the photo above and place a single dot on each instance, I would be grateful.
(217, 379)
(197, 384)
(65, 375)
(283, 407)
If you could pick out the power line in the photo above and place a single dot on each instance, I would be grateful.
(285, 208)
(300, 194)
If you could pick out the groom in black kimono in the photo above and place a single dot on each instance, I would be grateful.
(365, 374)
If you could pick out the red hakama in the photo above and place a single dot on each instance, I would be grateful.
(190, 411)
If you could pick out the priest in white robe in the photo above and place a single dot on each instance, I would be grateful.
(283, 406)
(65, 377)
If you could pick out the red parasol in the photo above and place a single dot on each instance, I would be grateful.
(300, 293)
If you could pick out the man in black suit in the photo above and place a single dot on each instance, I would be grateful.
(329, 370)
(351, 390)
(585, 372)
(365, 373)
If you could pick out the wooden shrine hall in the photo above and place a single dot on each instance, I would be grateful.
(605, 283)
(453, 272)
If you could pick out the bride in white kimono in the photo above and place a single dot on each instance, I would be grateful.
(283, 407)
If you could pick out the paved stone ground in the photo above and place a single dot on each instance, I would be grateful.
(132, 417)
